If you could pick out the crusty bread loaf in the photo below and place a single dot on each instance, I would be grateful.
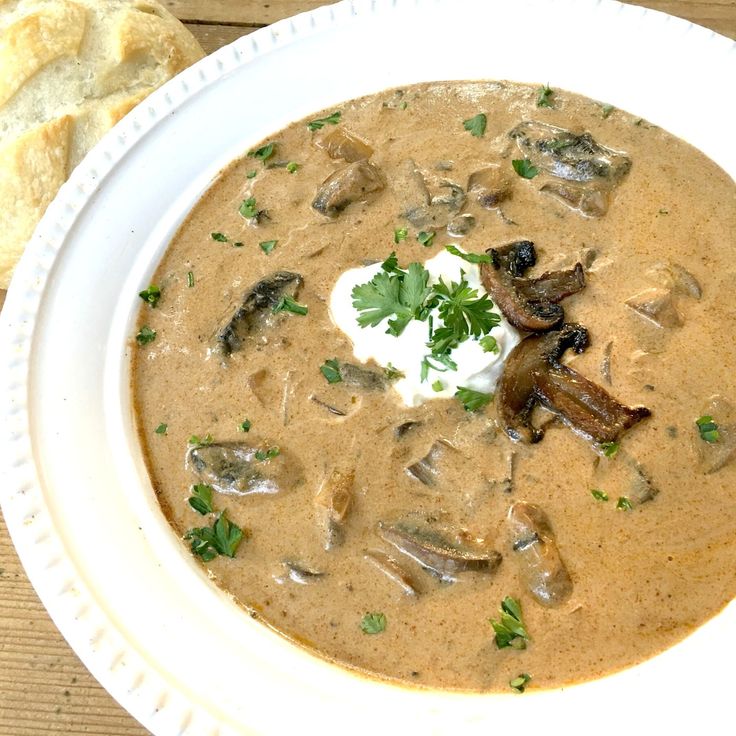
(69, 70)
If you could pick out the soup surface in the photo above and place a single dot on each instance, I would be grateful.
(377, 533)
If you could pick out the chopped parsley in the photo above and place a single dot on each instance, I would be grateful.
(400, 234)
(489, 344)
(201, 499)
(238, 244)
(392, 373)
(264, 152)
(151, 295)
(598, 495)
(190, 279)
(472, 400)
(425, 238)
(200, 441)
(606, 110)
(320, 123)
(292, 167)
(251, 174)
(267, 246)
(469, 257)
(624, 504)
(264, 455)
(222, 538)
(510, 630)
(161, 429)
(610, 448)
(287, 304)
(544, 96)
(476, 125)
(708, 429)
(524, 168)
(248, 208)
(145, 335)
(331, 371)
(443, 360)
(373, 623)
(518, 684)
(438, 386)
(219, 237)
(244, 426)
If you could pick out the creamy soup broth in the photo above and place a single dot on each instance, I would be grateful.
(642, 578)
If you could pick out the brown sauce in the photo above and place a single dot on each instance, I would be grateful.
(642, 578)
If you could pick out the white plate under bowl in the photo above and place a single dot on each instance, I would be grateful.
(138, 610)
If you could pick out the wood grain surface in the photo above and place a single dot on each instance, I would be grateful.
(44, 689)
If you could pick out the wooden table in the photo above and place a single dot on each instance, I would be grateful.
(44, 688)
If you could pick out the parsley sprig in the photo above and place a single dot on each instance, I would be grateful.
(222, 538)
(510, 629)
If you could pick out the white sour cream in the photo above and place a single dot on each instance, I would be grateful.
(476, 369)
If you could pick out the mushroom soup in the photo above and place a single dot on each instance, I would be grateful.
(439, 384)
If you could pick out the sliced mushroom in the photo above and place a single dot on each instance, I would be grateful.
(717, 454)
(341, 143)
(435, 553)
(255, 314)
(534, 375)
(363, 378)
(418, 205)
(460, 225)
(298, 573)
(236, 468)
(392, 570)
(332, 504)
(489, 187)
(588, 200)
(354, 182)
(528, 304)
(624, 476)
(425, 470)
(656, 305)
(404, 428)
(541, 569)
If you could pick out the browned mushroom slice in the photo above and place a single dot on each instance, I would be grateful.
(528, 304)
(332, 503)
(244, 470)
(255, 314)
(534, 375)
(435, 553)
(341, 143)
(460, 225)
(354, 182)
(721, 450)
(392, 570)
(541, 568)
(297, 573)
(425, 470)
(363, 378)
(412, 193)
(657, 306)
(489, 187)
(588, 200)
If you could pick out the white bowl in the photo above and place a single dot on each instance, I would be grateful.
(139, 611)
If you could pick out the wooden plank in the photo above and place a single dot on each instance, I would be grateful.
(212, 37)
(238, 12)
(718, 15)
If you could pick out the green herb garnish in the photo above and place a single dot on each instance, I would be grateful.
(598, 495)
(392, 373)
(263, 455)
(606, 110)
(438, 386)
(469, 257)
(244, 426)
(429, 361)
(145, 335)
(510, 630)
(400, 234)
(472, 400)
(267, 246)
(190, 279)
(264, 152)
(248, 208)
(222, 538)
(151, 295)
(292, 167)
(518, 684)
(489, 344)
(610, 448)
(624, 504)
(524, 168)
(544, 96)
(320, 123)
(219, 237)
(391, 264)
(161, 429)
(251, 174)
(287, 304)
(425, 238)
(201, 499)
(476, 125)
(707, 428)
(331, 371)
(200, 441)
(373, 623)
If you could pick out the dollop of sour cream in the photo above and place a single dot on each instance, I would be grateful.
(477, 369)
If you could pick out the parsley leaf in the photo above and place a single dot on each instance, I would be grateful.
(472, 400)
(292, 167)
(476, 125)
(244, 426)
(544, 96)
(251, 174)
(190, 279)
(201, 499)
(599, 495)
(524, 168)
(248, 208)
(489, 344)
(425, 238)
(331, 371)
(606, 110)
(145, 335)
(200, 441)
(373, 623)
(624, 504)
(320, 123)
(161, 429)
(151, 295)
(391, 264)
(400, 234)
(219, 237)
(222, 538)
(287, 304)
(267, 246)
(707, 428)
(610, 448)
(264, 152)
(518, 684)
(469, 257)
(510, 630)
(438, 386)
(264, 455)
(391, 372)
